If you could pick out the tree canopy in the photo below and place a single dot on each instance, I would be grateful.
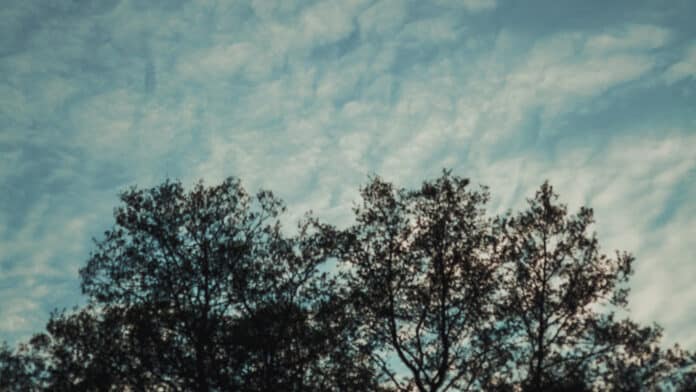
(203, 290)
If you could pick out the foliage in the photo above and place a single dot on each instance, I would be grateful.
(203, 290)
(424, 283)
(22, 369)
(560, 302)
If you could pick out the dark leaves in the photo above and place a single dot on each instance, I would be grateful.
(202, 290)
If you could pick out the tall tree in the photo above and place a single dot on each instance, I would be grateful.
(420, 270)
(208, 281)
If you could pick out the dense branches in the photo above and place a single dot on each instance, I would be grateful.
(561, 297)
(424, 282)
(23, 369)
(201, 290)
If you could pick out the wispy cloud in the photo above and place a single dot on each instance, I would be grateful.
(308, 98)
(685, 68)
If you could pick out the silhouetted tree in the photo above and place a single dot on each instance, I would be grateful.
(203, 291)
(424, 283)
(208, 294)
(639, 363)
(561, 297)
(105, 349)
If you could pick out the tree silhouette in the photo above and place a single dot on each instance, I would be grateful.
(93, 350)
(202, 290)
(461, 302)
(424, 283)
(561, 298)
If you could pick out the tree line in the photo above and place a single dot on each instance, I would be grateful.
(202, 290)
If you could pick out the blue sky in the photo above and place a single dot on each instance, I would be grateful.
(308, 98)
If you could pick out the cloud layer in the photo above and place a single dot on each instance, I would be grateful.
(308, 98)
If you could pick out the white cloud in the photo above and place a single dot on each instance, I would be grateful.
(685, 68)
(429, 31)
(663, 285)
(269, 10)
(555, 76)
(106, 121)
(631, 37)
(629, 184)
(470, 5)
(384, 16)
(15, 314)
(329, 21)
(13, 106)
(226, 61)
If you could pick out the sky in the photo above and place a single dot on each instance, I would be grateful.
(308, 99)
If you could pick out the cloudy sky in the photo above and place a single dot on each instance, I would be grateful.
(308, 98)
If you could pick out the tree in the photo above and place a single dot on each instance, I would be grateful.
(106, 349)
(525, 301)
(202, 290)
(560, 302)
(206, 293)
(424, 283)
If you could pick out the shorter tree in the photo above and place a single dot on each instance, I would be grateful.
(560, 304)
